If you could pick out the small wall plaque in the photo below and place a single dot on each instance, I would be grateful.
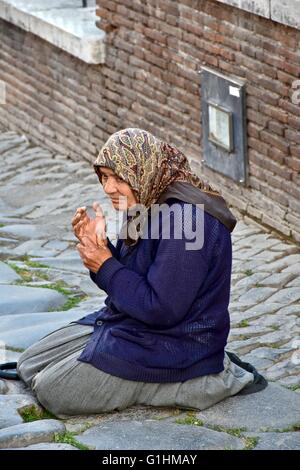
(224, 124)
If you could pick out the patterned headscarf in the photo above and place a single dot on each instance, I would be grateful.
(147, 164)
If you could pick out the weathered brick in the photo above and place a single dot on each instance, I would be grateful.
(295, 150)
(291, 189)
(275, 127)
(274, 140)
(265, 96)
(258, 146)
(293, 163)
(254, 130)
(276, 155)
(257, 118)
(294, 122)
(292, 136)
(289, 107)
(274, 112)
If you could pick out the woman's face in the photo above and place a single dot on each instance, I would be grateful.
(120, 192)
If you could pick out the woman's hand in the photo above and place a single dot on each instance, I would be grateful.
(95, 229)
(91, 233)
(92, 254)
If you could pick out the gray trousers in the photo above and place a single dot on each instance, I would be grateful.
(67, 387)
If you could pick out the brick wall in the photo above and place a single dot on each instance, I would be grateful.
(150, 80)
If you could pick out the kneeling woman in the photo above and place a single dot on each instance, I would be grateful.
(160, 338)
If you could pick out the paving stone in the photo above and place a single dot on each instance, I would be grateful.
(57, 245)
(269, 256)
(276, 337)
(21, 299)
(290, 381)
(276, 321)
(293, 268)
(41, 163)
(260, 309)
(4, 241)
(290, 310)
(22, 230)
(150, 434)
(30, 433)
(3, 387)
(251, 265)
(7, 274)
(283, 369)
(29, 247)
(69, 237)
(250, 281)
(285, 248)
(23, 320)
(10, 142)
(9, 406)
(236, 277)
(252, 235)
(294, 342)
(285, 264)
(257, 411)
(272, 354)
(294, 283)
(18, 387)
(256, 295)
(48, 207)
(7, 219)
(252, 330)
(47, 446)
(83, 282)
(286, 296)
(6, 355)
(69, 253)
(243, 346)
(278, 280)
(245, 254)
(276, 440)
(25, 337)
(237, 307)
(64, 263)
(258, 362)
(263, 244)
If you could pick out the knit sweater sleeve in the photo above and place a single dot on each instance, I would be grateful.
(114, 252)
(163, 296)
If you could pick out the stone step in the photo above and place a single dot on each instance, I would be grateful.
(30, 433)
(156, 435)
(274, 408)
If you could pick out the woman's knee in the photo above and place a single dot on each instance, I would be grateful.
(26, 368)
(44, 388)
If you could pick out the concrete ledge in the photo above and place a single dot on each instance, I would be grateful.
(258, 7)
(63, 23)
(286, 12)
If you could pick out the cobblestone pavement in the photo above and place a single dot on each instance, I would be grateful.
(44, 285)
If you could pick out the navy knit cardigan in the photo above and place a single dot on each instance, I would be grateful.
(166, 316)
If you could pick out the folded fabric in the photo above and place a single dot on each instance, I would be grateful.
(259, 383)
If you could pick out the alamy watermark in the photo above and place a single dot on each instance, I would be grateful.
(179, 221)
(296, 93)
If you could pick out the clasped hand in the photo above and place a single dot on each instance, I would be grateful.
(91, 233)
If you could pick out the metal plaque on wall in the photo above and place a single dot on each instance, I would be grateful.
(224, 127)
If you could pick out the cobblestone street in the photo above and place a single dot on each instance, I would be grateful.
(44, 285)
